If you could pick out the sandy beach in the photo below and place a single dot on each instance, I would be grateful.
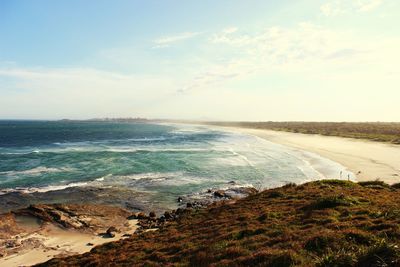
(53, 241)
(366, 159)
(26, 240)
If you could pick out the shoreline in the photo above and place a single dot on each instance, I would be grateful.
(367, 160)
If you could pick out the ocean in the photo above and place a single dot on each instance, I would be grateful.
(157, 162)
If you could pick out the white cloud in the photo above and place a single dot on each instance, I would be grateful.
(230, 30)
(215, 75)
(168, 40)
(340, 7)
(333, 9)
(279, 46)
(332, 58)
(368, 5)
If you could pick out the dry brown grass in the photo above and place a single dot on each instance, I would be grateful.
(326, 223)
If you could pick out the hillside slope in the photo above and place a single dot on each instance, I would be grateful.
(325, 223)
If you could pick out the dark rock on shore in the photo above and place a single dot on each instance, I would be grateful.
(111, 231)
(219, 193)
(235, 192)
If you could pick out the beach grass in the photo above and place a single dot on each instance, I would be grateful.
(323, 223)
(374, 131)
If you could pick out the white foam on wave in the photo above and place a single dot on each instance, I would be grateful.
(149, 179)
(149, 149)
(314, 166)
(171, 178)
(29, 190)
(107, 141)
(37, 171)
(117, 149)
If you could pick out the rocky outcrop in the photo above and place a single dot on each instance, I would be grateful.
(233, 193)
(75, 216)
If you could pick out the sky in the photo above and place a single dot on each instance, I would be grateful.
(299, 60)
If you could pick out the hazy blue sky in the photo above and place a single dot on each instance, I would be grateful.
(332, 60)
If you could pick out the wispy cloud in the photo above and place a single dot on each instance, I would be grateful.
(166, 41)
(333, 9)
(215, 75)
(368, 5)
(340, 7)
(284, 46)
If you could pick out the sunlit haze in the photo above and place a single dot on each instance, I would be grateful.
(332, 60)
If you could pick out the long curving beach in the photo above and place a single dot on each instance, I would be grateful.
(368, 160)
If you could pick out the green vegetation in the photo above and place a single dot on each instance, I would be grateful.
(376, 184)
(324, 223)
(332, 202)
(375, 131)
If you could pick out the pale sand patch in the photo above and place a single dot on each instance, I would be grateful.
(368, 160)
(52, 241)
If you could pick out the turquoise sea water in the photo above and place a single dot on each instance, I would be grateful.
(162, 160)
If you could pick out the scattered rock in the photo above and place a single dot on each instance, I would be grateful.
(132, 217)
(90, 244)
(180, 199)
(111, 229)
(167, 215)
(219, 193)
(11, 244)
(152, 214)
(141, 215)
(179, 211)
(110, 233)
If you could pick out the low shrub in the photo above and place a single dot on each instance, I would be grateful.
(396, 185)
(275, 194)
(335, 182)
(332, 202)
(374, 183)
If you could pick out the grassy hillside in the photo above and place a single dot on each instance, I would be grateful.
(383, 132)
(326, 223)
